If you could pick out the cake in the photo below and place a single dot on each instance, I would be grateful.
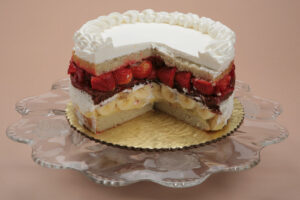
(124, 65)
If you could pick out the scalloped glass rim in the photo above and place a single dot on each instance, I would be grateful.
(56, 145)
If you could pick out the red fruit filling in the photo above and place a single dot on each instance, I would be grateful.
(183, 79)
(123, 76)
(203, 86)
(104, 82)
(142, 70)
(72, 68)
(79, 75)
(223, 83)
(152, 69)
(166, 75)
(153, 75)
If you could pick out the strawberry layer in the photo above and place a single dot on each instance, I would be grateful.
(81, 79)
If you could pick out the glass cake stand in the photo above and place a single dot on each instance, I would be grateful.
(55, 144)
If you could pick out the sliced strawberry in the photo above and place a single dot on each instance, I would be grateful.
(232, 74)
(104, 82)
(123, 76)
(227, 92)
(79, 74)
(233, 66)
(223, 83)
(142, 70)
(184, 79)
(166, 75)
(203, 86)
(153, 74)
(72, 68)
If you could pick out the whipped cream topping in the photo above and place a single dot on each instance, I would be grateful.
(199, 40)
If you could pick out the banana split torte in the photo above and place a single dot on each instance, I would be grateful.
(124, 65)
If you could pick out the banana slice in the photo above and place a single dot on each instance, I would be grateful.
(107, 109)
(122, 95)
(168, 94)
(127, 103)
(143, 93)
(186, 102)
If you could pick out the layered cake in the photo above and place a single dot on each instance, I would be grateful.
(124, 65)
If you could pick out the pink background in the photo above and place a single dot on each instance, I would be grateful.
(35, 48)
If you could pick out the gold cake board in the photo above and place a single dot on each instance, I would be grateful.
(155, 131)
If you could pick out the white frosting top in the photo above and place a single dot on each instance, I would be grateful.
(199, 40)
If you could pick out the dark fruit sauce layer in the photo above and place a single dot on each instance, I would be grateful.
(152, 69)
